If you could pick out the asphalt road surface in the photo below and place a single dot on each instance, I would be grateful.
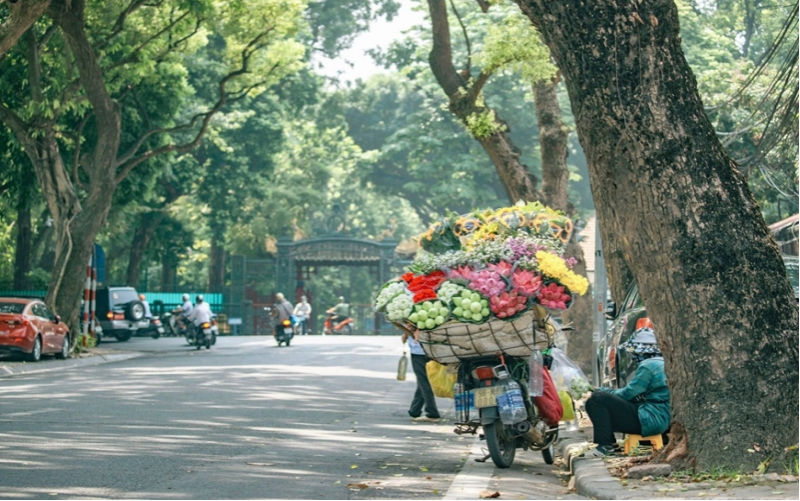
(322, 419)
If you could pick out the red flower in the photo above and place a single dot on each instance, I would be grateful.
(431, 281)
(408, 277)
(424, 295)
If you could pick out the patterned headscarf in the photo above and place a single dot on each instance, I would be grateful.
(642, 344)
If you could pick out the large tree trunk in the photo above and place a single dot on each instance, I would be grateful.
(553, 136)
(675, 205)
(519, 182)
(23, 251)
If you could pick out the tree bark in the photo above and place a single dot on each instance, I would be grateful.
(553, 136)
(216, 266)
(683, 217)
(22, 16)
(145, 229)
(518, 181)
(22, 253)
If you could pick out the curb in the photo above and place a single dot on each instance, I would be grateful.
(47, 366)
(590, 476)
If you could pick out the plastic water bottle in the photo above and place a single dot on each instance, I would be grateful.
(402, 367)
(510, 404)
(458, 396)
(536, 368)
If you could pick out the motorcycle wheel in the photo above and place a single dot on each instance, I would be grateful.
(155, 335)
(208, 344)
(502, 448)
(288, 341)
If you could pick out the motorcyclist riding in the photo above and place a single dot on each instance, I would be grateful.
(341, 311)
(184, 312)
(200, 314)
(302, 311)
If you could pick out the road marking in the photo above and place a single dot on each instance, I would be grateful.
(473, 477)
(29, 413)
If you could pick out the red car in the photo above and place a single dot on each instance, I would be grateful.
(28, 327)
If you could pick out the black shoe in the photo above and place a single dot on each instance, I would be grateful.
(601, 451)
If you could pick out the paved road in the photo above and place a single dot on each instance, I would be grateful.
(322, 419)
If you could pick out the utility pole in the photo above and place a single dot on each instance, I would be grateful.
(600, 295)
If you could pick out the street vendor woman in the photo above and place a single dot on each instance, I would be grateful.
(642, 407)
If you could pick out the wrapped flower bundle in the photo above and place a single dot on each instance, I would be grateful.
(500, 262)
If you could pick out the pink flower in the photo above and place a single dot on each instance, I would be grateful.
(554, 296)
(526, 283)
(507, 304)
(503, 268)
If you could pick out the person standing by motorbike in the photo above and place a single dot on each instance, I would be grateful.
(147, 314)
(423, 396)
(302, 311)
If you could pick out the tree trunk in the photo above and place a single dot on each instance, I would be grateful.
(23, 254)
(553, 136)
(148, 224)
(216, 266)
(519, 182)
(675, 205)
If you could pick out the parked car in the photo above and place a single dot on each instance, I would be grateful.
(29, 328)
(119, 313)
(615, 368)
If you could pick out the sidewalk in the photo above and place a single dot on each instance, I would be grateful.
(592, 478)
(96, 356)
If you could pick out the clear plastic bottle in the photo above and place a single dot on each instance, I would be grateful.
(536, 368)
(458, 396)
(402, 367)
(510, 404)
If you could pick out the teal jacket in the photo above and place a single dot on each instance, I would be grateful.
(649, 384)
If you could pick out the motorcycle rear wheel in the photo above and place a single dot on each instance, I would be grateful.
(548, 454)
(502, 448)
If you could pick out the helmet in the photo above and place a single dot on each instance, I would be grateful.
(186, 297)
(341, 299)
(199, 298)
(279, 297)
(642, 344)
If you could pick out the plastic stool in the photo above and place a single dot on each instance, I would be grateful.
(632, 441)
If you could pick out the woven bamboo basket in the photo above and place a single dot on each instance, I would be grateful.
(454, 341)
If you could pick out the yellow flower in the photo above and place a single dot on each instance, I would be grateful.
(551, 265)
(575, 282)
(485, 232)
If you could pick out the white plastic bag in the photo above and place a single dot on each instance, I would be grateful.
(567, 376)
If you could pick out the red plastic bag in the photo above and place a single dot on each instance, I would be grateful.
(549, 403)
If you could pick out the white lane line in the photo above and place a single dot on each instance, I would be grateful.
(473, 477)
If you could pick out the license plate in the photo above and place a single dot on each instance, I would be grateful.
(487, 397)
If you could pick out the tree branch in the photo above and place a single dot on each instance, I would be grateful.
(13, 122)
(441, 56)
(127, 162)
(132, 56)
(107, 113)
(34, 69)
(466, 37)
(21, 17)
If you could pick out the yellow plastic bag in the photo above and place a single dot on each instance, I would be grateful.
(566, 404)
(441, 382)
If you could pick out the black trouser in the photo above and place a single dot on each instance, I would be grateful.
(610, 413)
(424, 394)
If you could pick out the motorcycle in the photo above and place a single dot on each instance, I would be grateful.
(486, 388)
(172, 325)
(284, 332)
(155, 328)
(204, 334)
(341, 327)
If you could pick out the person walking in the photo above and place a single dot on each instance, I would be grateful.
(423, 396)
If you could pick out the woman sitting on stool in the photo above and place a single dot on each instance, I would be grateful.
(641, 407)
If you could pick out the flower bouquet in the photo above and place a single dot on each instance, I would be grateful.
(503, 265)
